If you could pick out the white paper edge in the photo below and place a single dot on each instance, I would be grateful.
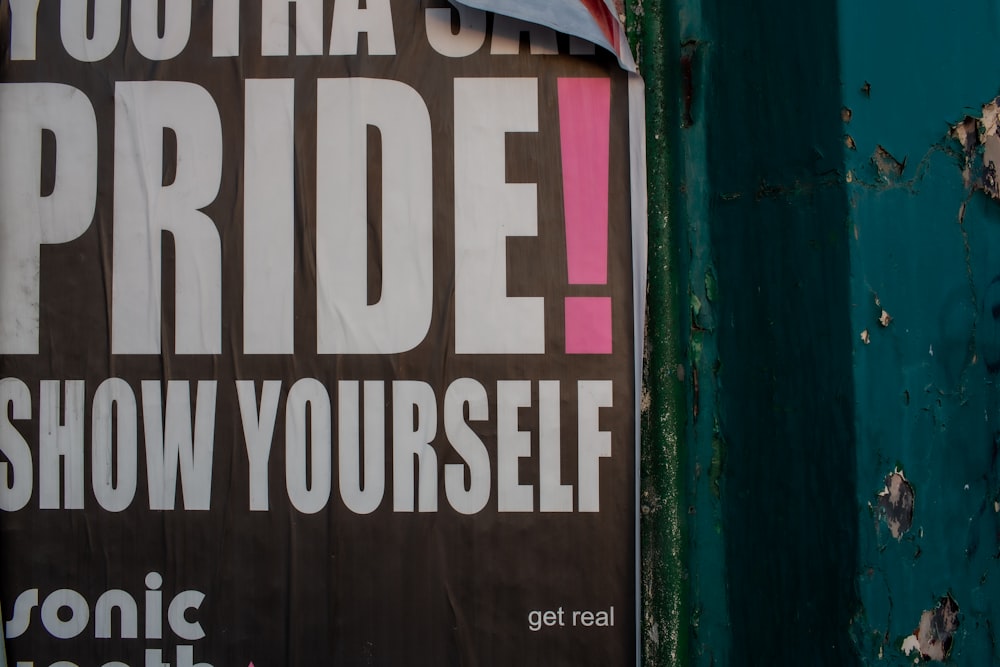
(565, 16)
(637, 170)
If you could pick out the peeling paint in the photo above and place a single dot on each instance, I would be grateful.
(981, 145)
(895, 503)
(989, 327)
(887, 166)
(935, 635)
(711, 285)
(884, 317)
(689, 50)
(928, 384)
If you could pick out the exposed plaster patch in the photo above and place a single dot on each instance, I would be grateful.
(910, 644)
(981, 145)
(884, 318)
(895, 503)
(934, 637)
(887, 166)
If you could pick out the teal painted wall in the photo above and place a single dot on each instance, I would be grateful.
(829, 284)
(928, 250)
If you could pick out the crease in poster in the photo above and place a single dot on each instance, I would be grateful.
(319, 334)
(594, 21)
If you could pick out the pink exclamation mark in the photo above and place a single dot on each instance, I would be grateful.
(584, 122)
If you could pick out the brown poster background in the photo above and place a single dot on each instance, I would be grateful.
(281, 586)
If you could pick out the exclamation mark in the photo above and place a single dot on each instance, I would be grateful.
(584, 122)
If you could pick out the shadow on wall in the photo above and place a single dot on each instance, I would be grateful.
(786, 401)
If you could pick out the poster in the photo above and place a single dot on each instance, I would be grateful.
(318, 329)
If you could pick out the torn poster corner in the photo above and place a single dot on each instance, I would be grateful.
(595, 21)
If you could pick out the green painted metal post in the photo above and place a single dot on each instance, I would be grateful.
(925, 254)
(664, 580)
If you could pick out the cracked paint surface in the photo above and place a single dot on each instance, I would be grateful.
(895, 504)
(924, 217)
(933, 638)
(888, 167)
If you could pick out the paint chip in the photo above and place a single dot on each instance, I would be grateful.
(895, 504)
(885, 318)
(866, 337)
(935, 635)
(980, 142)
(887, 166)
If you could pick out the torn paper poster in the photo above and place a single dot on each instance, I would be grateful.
(319, 335)
(593, 20)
